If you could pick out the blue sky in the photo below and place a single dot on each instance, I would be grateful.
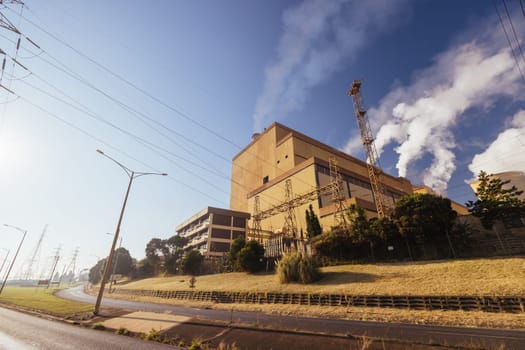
(444, 93)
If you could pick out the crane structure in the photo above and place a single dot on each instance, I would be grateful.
(372, 164)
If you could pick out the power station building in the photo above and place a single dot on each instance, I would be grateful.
(282, 165)
(516, 178)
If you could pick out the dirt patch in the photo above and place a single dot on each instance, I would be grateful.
(144, 322)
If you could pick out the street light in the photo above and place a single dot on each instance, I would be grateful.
(116, 260)
(132, 175)
(16, 254)
(3, 262)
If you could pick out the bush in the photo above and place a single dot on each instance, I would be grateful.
(122, 331)
(98, 326)
(297, 267)
(154, 335)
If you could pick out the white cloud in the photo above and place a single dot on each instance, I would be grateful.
(420, 118)
(318, 35)
(506, 152)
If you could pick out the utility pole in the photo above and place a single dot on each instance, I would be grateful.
(132, 175)
(57, 257)
(5, 259)
(16, 254)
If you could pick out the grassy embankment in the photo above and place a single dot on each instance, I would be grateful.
(43, 300)
(498, 276)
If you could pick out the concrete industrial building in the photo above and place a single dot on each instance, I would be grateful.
(516, 178)
(212, 230)
(279, 155)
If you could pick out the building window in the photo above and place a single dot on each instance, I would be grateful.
(237, 234)
(221, 247)
(265, 179)
(239, 222)
(220, 233)
(223, 220)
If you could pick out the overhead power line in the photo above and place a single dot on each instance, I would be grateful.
(142, 91)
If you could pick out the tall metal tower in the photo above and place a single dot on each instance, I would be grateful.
(257, 230)
(290, 221)
(71, 267)
(35, 257)
(338, 196)
(372, 164)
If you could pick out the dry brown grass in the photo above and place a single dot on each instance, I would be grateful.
(498, 276)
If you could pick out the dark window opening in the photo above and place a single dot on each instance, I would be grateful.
(237, 234)
(220, 233)
(265, 179)
(224, 220)
(239, 222)
(222, 247)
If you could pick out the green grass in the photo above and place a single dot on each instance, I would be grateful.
(498, 276)
(41, 299)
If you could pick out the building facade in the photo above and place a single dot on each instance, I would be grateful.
(516, 178)
(279, 155)
(212, 230)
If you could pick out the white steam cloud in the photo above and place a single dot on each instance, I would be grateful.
(419, 118)
(506, 152)
(318, 35)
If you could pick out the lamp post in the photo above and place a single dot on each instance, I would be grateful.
(116, 261)
(16, 254)
(5, 259)
(132, 175)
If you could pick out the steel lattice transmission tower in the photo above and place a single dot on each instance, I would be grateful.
(35, 257)
(372, 164)
(290, 221)
(338, 196)
(256, 229)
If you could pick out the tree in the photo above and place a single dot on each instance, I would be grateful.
(251, 257)
(192, 261)
(313, 227)
(426, 218)
(360, 231)
(233, 255)
(154, 249)
(95, 273)
(496, 201)
(173, 252)
(143, 269)
(123, 262)
(335, 243)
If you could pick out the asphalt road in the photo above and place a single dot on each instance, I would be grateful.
(481, 337)
(19, 331)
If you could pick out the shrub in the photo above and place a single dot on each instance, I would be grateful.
(98, 326)
(298, 267)
(196, 344)
(122, 331)
(154, 335)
